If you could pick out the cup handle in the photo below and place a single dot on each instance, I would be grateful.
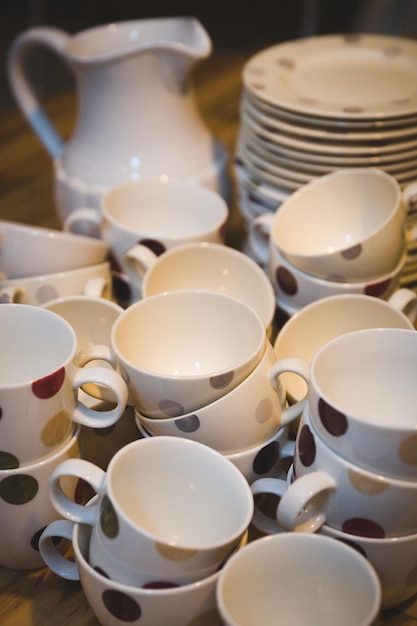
(70, 510)
(140, 259)
(14, 295)
(296, 511)
(57, 562)
(405, 300)
(105, 377)
(295, 366)
(273, 486)
(83, 221)
(96, 352)
(97, 287)
(259, 231)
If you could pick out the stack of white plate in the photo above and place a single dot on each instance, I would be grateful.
(314, 105)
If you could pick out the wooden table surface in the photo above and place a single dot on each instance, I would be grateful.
(40, 598)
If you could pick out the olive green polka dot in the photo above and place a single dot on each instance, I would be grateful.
(8, 461)
(173, 553)
(108, 519)
(408, 450)
(56, 429)
(18, 489)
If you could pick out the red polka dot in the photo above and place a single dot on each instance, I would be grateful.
(48, 386)
(121, 606)
(363, 527)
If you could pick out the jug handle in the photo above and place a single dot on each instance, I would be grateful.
(55, 40)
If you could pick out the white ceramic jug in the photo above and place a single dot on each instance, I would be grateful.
(136, 116)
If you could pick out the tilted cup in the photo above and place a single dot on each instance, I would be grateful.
(141, 219)
(298, 579)
(40, 379)
(153, 523)
(28, 250)
(295, 289)
(244, 417)
(327, 488)
(318, 322)
(94, 281)
(183, 349)
(214, 267)
(362, 398)
(353, 225)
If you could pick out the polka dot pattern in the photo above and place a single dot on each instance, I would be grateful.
(18, 489)
(56, 429)
(189, 424)
(333, 421)
(266, 458)
(170, 408)
(408, 450)
(286, 281)
(121, 606)
(48, 386)
(306, 453)
(222, 381)
(108, 519)
(157, 247)
(352, 253)
(8, 461)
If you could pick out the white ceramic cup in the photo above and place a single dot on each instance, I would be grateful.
(362, 398)
(214, 267)
(318, 322)
(393, 558)
(141, 218)
(94, 281)
(298, 579)
(25, 506)
(183, 349)
(294, 289)
(271, 458)
(327, 488)
(113, 602)
(27, 250)
(158, 499)
(348, 225)
(39, 382)
(244, 417)
(92, 320)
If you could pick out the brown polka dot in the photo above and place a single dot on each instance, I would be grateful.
(56, 429)
(48, 386)
(160, 584)
(333, 421)
(377, 289)
(408, 450)
(222, 381)
(173, 553)
(156, 246)
(306, 446)
(108, 519)
(188, 424)
(121, 606)
(18, 489)
(121, 289)
(264, 410)
(171, 408)
(286, 281)
(352, 109)
(352, 253)
(266, 458)
(366, 484)
(363, 528)
(101, 572)
(8, 461)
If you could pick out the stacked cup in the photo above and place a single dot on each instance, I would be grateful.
(168, 514)
(40, 264)
(354, 475)
(40, 422)
(199, 366)
(345, 232)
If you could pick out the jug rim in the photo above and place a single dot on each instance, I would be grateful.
(115, 40)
